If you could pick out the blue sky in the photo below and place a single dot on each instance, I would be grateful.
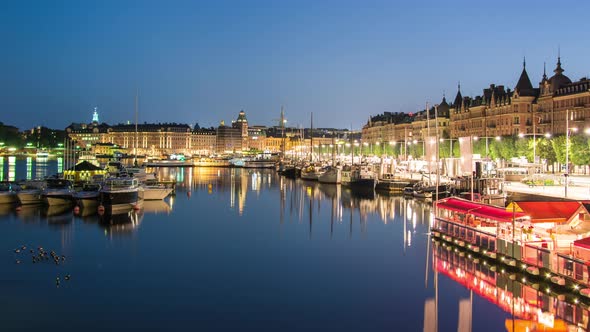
(199, 61)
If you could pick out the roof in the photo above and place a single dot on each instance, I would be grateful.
(558, 211)
(524, 86)
(85, 166)
(478, 209)
(584, 243)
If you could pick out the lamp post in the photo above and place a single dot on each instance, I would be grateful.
(534, 134)
(497, 138)
(567, 149)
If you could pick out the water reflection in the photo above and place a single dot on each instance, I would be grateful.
(6, 209)
(529, 307)
(120, 222)
(11, 168)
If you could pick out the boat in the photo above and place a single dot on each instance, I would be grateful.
(7, 193)
(30, 192)
(155, 191)
(30, 196)
(346, 174)
(389, 183)
(120, 193)
(259, 163)
(170, 163)
(140, 173)
(88, 196)
(211, 162)
(422, 194)
(362, 181)
(408, 191)
(311, 172)
(58, 192)
(330, 174)
(538, 237)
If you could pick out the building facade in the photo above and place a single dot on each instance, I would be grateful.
(498, 111)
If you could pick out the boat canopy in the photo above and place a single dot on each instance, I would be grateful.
(547, 211)
(583, 243)
(480, 210)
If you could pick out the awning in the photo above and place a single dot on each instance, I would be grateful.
(480, 210)
(583, 243)
(542, 212)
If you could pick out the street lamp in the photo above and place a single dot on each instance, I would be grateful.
(567, 149)
(497, 138)
(451, 144)
(547, 135)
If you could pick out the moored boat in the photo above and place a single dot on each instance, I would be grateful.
(7, 193)
(259, 163)
(311, 172)
(389, 183)
(30, 192)
(548, 238)
(120, 193)
(155, 191)
(88, 196)
(58, 192)
(331, 174)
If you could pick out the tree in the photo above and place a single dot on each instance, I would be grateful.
(579, 150)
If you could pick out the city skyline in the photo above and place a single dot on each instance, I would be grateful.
(203, 63)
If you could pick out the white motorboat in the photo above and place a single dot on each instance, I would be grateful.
(331, 175)
(58, 192)
(30, 192)
(155, 191)
(311, 173)
(7, 193)
(88, 196)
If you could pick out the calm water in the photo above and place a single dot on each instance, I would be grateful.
(242, 250)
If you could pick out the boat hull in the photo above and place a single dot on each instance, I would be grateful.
(57, 199)
(333, 176)
(120, 198)
(290, 172)
(8, 198)
(29, 197)
(362, 184)
(259, 164)
(157, 193)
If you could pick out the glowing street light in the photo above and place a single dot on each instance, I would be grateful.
(497, 138)
(547, 135)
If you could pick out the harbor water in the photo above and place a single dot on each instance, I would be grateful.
(246, 249)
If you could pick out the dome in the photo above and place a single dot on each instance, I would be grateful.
(558, 80)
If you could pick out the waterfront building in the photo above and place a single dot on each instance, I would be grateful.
(498, 111)
(203, 141)
(106, 149)
(88, 134)
(152, 139)
(526, 110)
(235, 138)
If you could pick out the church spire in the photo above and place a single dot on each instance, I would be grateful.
(458, 98)
(524, 86)
(558, 70)
(95, 115)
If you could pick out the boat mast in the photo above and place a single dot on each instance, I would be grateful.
(351, 147)
(283, 132)
(136, 111)
(311, 134)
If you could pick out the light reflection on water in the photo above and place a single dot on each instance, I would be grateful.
(242, 249)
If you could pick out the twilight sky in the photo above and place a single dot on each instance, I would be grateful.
(204, 61)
